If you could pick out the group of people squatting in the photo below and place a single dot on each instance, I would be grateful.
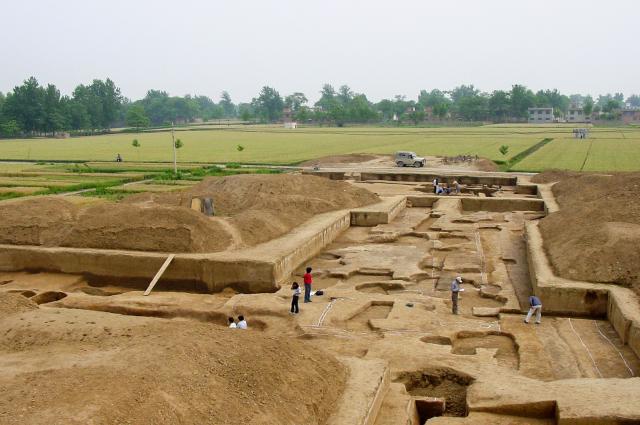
(535, 305)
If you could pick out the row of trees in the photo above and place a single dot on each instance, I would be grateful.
(33, 109)
(465, 103)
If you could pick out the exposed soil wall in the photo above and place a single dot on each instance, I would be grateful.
(250, 209)
(137, 370)
(596, 234)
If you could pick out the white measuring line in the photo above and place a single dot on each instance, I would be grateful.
(480, 251)
(586, 348)
(616, 348)
(325, 312)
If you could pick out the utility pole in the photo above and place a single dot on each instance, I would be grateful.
(175, 163)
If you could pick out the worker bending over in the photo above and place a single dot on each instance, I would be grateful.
(535, 306)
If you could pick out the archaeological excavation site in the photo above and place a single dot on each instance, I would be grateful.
(117, 312)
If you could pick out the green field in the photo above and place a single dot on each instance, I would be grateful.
(611, 148)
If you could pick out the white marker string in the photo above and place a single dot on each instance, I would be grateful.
(616, 348)
(586, 348)
(325, 312)
(481, 254)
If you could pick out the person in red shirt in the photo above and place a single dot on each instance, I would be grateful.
(308, 280)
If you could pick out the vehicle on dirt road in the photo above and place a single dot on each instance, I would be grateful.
(409, 159)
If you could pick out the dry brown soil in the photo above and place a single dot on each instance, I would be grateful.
(65, 366)
(353, 158)
(596, 234)
(250, 209)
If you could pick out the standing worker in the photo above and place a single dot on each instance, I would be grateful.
(308, 280)
(455, 289)
(294, 299)
(535, 305)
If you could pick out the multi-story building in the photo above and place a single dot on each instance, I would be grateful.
(541, 115)
(576, 114)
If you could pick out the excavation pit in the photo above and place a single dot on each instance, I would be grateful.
(48, 297)
(444, 384)
(361, 321)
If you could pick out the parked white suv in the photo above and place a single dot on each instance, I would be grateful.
(409, 159)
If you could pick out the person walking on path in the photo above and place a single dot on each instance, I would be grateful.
(535, 306)
(308, 280)
(294, 299)
(455, 290)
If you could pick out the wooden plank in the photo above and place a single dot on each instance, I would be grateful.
(159, 274)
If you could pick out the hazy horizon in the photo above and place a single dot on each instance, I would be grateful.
(377, 48)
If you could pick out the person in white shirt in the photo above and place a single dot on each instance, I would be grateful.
(296, 296)
(455, 290)
(232, 323)
(242, 324)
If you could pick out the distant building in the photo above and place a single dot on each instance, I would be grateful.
(630, 115)
(576, 114)
(287, 118)
(541, 115)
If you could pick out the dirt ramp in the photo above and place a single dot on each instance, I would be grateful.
(595, 235)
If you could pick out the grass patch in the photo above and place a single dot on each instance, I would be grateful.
(11, 195)
(508, 165)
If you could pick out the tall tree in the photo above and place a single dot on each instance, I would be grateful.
(26, 106)
(327, 95)
(295, 101)
(268, 104)
(587, 106)
(54, 116)
(136, 117)
(228, 108)
(359, 109)
(521, 100)
(499, 105)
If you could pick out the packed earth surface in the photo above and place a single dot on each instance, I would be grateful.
(378, 343)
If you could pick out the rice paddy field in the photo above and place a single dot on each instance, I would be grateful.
(607, 149)
(103, 180)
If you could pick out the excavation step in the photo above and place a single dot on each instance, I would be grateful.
(365, 390)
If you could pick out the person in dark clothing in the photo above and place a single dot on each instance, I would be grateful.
(294, 299)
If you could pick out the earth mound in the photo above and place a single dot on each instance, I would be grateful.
(263, 207)
(250, 209)
(595, 235)
(353, 158)
(484, 164)
(554, 175)
(14, 303)
(91, 367)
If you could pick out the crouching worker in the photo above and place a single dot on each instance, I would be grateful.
(294, 299)
(535, 306)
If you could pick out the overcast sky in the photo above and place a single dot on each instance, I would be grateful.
(381, 48)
